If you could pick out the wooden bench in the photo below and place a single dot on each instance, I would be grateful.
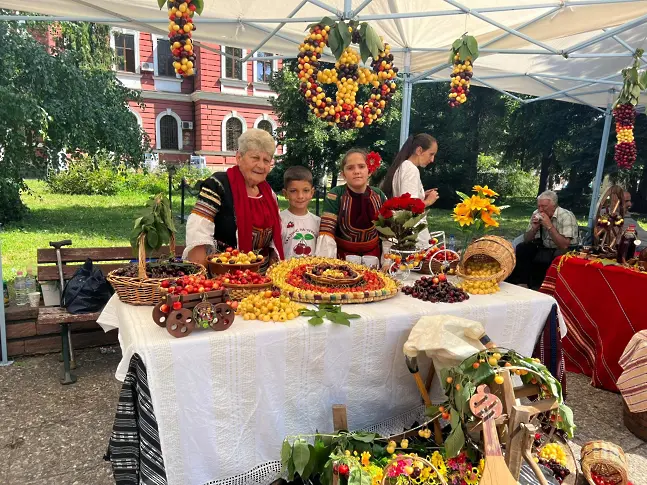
(106, 259)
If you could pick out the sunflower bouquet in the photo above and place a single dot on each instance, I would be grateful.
(477, 214)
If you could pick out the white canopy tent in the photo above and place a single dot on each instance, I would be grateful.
(569, 50)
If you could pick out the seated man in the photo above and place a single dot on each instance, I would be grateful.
(549, 234)
(629, 221)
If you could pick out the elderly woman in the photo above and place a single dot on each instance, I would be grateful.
(348, 212)
(237, 208)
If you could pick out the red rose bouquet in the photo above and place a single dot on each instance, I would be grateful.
(400, 220)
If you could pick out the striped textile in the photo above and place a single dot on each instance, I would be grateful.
(603, 307)
(549, 349)
(633, 381)
(134, 449)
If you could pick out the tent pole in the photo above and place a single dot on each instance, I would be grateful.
(3, 326)
(608, 114)
(406, 99)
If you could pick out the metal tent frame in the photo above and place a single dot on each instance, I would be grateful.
(607, 84)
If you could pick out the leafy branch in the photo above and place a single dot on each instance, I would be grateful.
(330, 312)
(340, 37)
(156, 225)
(466, 47)
(634, 82)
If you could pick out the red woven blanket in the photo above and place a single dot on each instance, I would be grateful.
(603, 306)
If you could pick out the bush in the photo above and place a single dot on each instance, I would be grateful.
(88, 176)
(275, 177)
(11, 207)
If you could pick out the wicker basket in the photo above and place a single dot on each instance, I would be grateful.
(605, 459)
(486, 249)
(142, 291)
(238, 292)
(222, 268)
(635, 422)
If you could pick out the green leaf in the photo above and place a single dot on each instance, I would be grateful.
(298, 236)
(414, 220)
(320, 453)
(364, 51)
(345, 34)
(373, 41)
(455, 441)
(567, 423)
(152, 238)
(335, 41)
(339, 319)
(138, 222)
(482, 374)
(308, 237)
(464, 52)
(286, 452)
(199, 5)
(321, 313)
(352, 316)
(457, 44)
(462, 195)
(315, 321)
(291, 470)
(359, 477)
(473, 46)
(643, 80)
(385, 231)
(310, 466)
(161, 3)
(432, 411)
(326, 21)
(364, 437)
(300, 456)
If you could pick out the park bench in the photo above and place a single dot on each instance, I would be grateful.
(106, 259)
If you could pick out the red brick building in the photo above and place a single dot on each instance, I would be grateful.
(199, 116)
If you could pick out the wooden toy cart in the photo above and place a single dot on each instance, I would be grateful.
(213, 311)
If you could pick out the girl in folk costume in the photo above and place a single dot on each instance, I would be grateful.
(349, 211)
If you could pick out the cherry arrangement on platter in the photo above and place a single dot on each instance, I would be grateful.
(435, 289)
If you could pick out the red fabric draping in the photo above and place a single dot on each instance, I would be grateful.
(603, 307)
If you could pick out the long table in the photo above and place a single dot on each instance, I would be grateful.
(224, 401)
(603, 307)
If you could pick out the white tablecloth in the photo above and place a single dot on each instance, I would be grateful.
(224, 401)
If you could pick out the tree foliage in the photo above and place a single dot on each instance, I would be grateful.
(66, 101)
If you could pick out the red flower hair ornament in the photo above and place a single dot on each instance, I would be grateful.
(373, 162)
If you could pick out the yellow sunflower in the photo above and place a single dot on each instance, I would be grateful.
(366, 456)
(492, 209)
(462, 209)
(489, 220)
(471, 478)
(467, 220)
(477, 203)
(484, 190)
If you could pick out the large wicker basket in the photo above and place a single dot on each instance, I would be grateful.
(635, 422)
(605, 459)
(238, 292)
(142, 291)
(485, 249)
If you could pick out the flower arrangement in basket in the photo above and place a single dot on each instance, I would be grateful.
(139, 284)
(482, 267)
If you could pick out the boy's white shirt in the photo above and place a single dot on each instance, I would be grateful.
(306, 225)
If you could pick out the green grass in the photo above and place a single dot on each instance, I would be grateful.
(104, 221)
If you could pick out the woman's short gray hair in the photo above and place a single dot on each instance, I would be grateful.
(548, 195)
(256, 139)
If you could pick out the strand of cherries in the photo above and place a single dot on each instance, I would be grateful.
(625, 152)
(180, 29)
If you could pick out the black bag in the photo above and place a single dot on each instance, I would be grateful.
(88, 291)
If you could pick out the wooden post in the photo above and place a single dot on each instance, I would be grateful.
(513, 456)
(528, 431)
(339, 418)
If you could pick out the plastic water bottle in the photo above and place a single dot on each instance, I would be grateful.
(452, 243)
(30, 282)
(21, 289)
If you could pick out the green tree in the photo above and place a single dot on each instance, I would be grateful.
(56, 103)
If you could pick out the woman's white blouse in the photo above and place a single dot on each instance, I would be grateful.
(407, 180)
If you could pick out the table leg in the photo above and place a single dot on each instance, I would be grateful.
(68, 377)
(72, 359)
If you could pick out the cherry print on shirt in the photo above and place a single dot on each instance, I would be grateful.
(290, 225)
(302, 248)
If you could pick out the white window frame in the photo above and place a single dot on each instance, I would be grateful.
(233, 114)
(158, 139)
(230, 85)
(164, 83)
(138, 117)
(266, 117)
(275, 68)
(135, 34)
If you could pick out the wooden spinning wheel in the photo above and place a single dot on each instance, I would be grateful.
(609, 220)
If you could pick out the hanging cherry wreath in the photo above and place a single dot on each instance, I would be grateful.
(624, 112)
(463, 53)
(180, 27)
(347, 75)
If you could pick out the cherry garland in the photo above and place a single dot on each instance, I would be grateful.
(624, 112)
(346, 75)
(463, 53)
(181, 28)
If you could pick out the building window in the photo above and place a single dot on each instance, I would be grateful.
(264, 68)
(168, 133)
(234, 129)
(267, 126)
(164, 59)
(233, 67)
(125, 51)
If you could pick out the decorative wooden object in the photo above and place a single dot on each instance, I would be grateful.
(488, 407)
(339, 418)
(412, 364)
(609, 220)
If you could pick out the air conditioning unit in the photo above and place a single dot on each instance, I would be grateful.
(148, 66)
(198, 161)
(187, 125)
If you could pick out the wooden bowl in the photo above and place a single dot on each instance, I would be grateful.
(222, 268)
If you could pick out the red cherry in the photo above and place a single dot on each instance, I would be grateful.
(343, 469)
(165, 284)
(177, 305)
(165, 308)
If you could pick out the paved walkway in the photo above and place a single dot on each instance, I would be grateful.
(51, 434)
